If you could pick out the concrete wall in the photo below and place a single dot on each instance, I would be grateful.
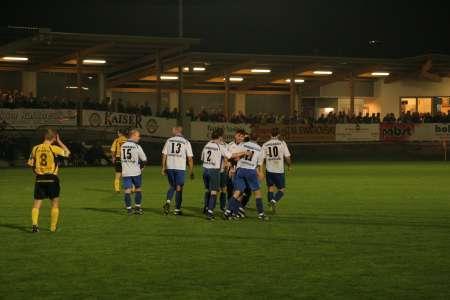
(10, 81)
(388, 95)
(54, 84)
(278, 104)
(342, 89)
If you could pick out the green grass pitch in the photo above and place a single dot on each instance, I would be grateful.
(343, 231)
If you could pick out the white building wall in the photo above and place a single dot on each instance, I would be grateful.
(388, 95)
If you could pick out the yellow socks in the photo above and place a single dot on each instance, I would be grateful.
(117, 185)
(35, 216)
(54, 219)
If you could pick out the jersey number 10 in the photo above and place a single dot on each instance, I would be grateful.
(273, 151)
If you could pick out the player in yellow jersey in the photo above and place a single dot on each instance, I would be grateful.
(115, 154)
(43, 160)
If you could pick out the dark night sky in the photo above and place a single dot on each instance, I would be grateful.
(323, 27)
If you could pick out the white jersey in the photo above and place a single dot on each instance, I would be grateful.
(253, 158)
(275, 151)
(213, 155)
(233, 147)
(177, 149)
(131, 155)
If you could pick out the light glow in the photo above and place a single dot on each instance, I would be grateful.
(381, 74)
(235, 79)
(72, 87)
(94, 61)
(264, 71)
(169, 77)
(14, 58)
(199, 69)
(296, 80)
(323, 72)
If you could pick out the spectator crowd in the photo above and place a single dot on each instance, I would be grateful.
(16, 99)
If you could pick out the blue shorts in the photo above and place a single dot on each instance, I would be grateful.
(211, 179)
(246, 178)
(276, 179)
(128, 182)
(175, 177)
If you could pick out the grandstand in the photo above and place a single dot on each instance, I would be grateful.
(97, 81)
(365, 214)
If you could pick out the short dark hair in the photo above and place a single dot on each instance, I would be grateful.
(275, 132)
(123, 131)
(241, 131)
(217, 133)
(50, 134)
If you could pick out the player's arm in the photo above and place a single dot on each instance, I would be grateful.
(66, 151)
(259, 168)
(287, 156)
(142, 157)
(32, 160)
(113, 151)
(164, 160)
(190, 156)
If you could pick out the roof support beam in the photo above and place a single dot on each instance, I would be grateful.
(146, 70)
(222, 72)
(82, 53)
(147, 58)
(279, 76)
(11, 48)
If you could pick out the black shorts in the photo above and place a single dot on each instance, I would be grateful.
(118, 166)
(46, 186)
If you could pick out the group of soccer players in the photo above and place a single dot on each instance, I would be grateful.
(231, 172)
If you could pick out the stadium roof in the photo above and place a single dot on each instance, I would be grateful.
(132, 62)
(58, 51)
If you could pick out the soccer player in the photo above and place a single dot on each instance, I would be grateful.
(133, 160)
(43, 160)
(115, 155)
(213, 155)
(276, 154)
(176, 151)
(248, 173)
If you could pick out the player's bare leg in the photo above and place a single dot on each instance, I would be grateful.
(35, 215)
(54, 214)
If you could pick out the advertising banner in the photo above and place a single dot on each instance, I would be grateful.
(201, 131)
(35, 118)
(357, 132)
(439, 132)
(393, 132)
(149, 126)
(298, 132)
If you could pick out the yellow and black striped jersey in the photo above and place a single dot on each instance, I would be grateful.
(43, 159)
(117, 145)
